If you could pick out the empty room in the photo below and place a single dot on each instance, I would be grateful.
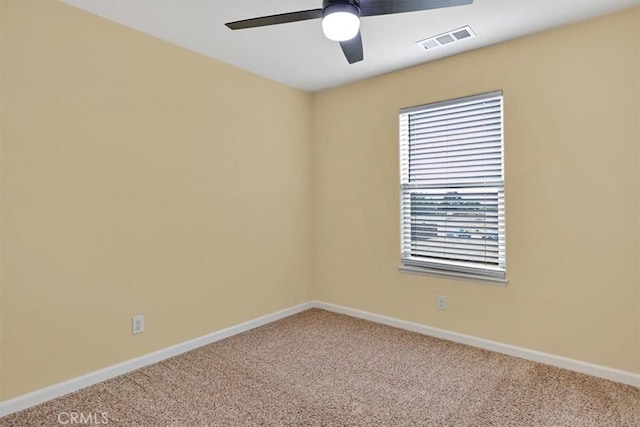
(308, 212)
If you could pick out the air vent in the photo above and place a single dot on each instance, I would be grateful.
(447, 38)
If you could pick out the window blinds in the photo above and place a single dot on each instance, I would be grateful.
(452, 186)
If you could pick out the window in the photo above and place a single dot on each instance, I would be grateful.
(452, 187)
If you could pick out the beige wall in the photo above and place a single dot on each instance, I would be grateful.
(138, 177)
(3, 25)
(572, 144)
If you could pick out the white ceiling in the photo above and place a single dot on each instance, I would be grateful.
(299, 55)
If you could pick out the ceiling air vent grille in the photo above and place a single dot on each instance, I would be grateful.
(447, 38)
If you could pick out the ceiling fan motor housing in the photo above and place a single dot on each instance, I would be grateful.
(332, 6)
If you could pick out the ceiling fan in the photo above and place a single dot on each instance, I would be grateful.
(341, 18)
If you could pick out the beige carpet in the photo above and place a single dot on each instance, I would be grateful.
(321, 368)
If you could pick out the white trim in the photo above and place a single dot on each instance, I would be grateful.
(57, 390)
(599, 371)
(444, 274)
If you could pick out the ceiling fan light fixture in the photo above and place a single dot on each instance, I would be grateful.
(341, 21)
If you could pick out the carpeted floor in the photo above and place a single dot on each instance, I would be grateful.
(321, 368)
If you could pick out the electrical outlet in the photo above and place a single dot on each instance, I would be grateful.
(137, 324)
(442, 302)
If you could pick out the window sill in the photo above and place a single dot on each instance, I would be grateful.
(453, 275)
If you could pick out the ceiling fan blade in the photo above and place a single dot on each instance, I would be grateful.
(353, 49)
(386, 7)
(282, 18)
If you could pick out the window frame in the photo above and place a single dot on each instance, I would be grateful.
(476, 271)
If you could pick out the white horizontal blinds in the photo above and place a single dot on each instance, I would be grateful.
(457, 145)
(452, 185)
(463, 227)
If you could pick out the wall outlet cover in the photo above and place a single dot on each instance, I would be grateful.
(137, 324)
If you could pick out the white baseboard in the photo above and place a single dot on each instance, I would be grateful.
(39, 396)
(605, 372)
(57, 390)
